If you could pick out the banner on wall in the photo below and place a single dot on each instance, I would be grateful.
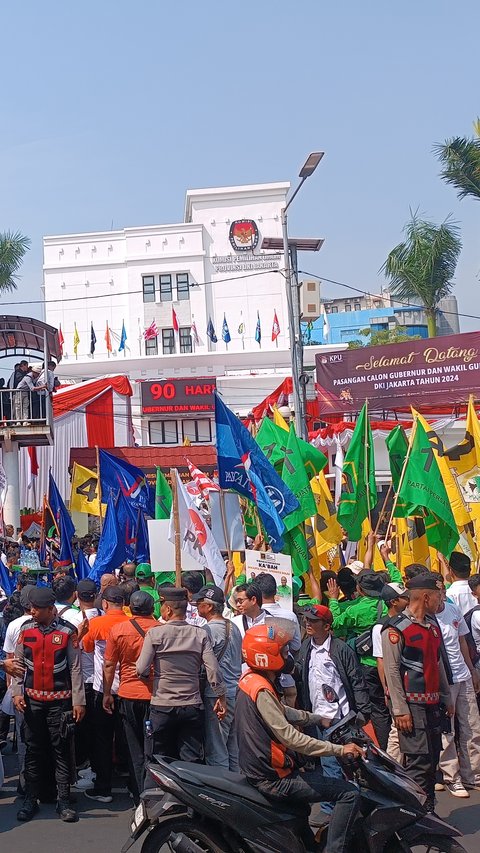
(439, 371)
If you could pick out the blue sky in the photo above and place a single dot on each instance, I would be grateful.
(111, 110)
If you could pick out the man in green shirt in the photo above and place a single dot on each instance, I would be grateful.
(360, 617)
(147, 583)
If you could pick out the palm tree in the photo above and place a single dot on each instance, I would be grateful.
(420, 269)
(460, 159)
(12, 250)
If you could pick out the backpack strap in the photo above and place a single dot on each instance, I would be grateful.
(138, 627)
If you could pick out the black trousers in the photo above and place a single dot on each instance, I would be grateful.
(177, 732)
(43, 741)
(380, 715)
(4, 718)
(313, 787)
(422, 747)
(106, 727)
(85, 731)
(133, 713)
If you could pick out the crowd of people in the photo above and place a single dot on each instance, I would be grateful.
(98, 680)
(27, 387)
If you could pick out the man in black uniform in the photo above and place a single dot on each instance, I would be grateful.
(48, 650)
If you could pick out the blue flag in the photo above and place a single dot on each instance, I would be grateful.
(258, 331)
(244, 468)
(111, 547)
(93, 339)
(123, 338)
(64, 524)
(211, 331)
(118, 474)
(142, 554)
(134, 526)
(6, 582)
(225, 331)
(82, 567)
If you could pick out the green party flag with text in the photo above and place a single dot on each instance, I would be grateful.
(296, 478)
(359, 492)
(423, 491)
(295, 544)
(273, 440)
(163, 496)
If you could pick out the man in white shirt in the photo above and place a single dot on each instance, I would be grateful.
(474, 617)
(249, 599)
(459, 592)
(65, 591)
(268, 586)
(460, 767)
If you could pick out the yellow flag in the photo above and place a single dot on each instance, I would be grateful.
(459, 508)
(327, 530)
(312, 549)
(464, 462)
(278, 420)
(411, 544)
(76, 339)
(84, 494)
(378, 564)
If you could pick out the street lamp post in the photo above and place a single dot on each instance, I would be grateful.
(290, 247)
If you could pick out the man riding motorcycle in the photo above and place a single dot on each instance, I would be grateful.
(269, 742)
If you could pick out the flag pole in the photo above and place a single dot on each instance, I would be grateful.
(402, 476)
(384, 507)
(176, 525)
(224, 524)
(99, 488)
(369, 508)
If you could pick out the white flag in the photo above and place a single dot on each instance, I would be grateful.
(326, 327)
(338, 468)
(196, 538)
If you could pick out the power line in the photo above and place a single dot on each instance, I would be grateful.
(379, 296)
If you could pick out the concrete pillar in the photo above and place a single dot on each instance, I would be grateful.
(11, 507)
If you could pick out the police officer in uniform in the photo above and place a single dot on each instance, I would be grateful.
(48, 650)
(416, 680)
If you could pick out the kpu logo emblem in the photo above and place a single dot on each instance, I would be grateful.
(243, 235)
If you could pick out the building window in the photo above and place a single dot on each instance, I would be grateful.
(334, 309)
(168, 341)
(327, 309)
(183, 287)
(199, 432)
(348, 307)
(357, 306)
(163, 432)
(185, 339)
(151, 347)
(165, 288)
(148, 288)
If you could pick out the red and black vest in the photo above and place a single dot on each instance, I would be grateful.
(45, 650)
(420, 656)
(261, 756)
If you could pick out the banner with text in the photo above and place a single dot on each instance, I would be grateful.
(439, 371)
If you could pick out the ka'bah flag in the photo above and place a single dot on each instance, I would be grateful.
(359, 492)
(326, 528)
(296, 478)
(464, 462)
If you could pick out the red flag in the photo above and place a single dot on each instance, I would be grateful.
(61, 339)
(204, 483)
(151, 332)
(32, 452)
(108, 339)
(174, 320)
(275, 327)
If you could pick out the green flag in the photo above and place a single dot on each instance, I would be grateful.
(163, 497)
(295, 545)
(397, 446)
(273, 440)
(359, 491)
(423, 493)
(251, 518)
(296, 478)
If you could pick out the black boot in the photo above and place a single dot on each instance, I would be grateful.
(65, 812)
(29, 808)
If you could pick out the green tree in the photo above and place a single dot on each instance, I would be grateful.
(421, 268)
(12, 250)
(460, 161)
(376, 338)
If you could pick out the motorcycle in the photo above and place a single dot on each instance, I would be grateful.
(200, 809)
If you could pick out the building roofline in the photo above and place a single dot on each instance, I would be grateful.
(242, 190)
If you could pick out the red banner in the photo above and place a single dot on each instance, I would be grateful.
(429, 372)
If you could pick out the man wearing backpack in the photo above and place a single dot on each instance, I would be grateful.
(460, 764)
(472, 618)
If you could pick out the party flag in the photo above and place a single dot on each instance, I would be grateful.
(196, 339)
(76, 339)
(174, 320)
(123, 338)
(61, 339)
(464, 462)
(275, 327)
(163, 496)
(359, 492)
(211, 331)
(151, 332)
(93, 339)
(225, 331)
(108, 339)
(258, 331)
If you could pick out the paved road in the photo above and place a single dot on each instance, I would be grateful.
(104, 829)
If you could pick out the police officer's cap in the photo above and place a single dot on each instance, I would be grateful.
(173, 593)
(425, 581)
(142, 603)
(42, 596)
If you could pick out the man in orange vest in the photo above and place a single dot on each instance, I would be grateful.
(269, 742)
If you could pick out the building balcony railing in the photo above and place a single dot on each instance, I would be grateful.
(25, 416)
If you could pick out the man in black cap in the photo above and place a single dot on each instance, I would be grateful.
(178, 651)
(355, 623)
(221, 747)
(123, 648)
(416, 680)
(48, 649)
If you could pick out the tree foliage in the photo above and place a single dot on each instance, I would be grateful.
(378, 337)
(460, 161)
(13, 247)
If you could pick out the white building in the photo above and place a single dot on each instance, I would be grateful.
(208, 268)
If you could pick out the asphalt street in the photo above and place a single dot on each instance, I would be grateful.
(105, 828)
